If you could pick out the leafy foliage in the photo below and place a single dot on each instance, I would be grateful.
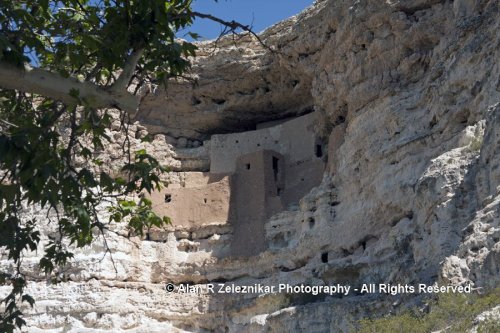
(97, 41)
(476, 144)
(93, 39)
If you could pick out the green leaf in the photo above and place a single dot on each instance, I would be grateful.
(29, 299)
(106, 182)
(46, 265)
(194, 35)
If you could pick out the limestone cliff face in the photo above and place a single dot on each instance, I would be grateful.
(407, 95)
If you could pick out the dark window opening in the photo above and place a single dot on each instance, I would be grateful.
(275, 167)
(319, 151)
(340, 120)
(168, 198)
(148, 237)
(195, 101)
(279, 191)
(247, 166)
(205, 200)
(324, 257)
(218, 101)
(311, 222)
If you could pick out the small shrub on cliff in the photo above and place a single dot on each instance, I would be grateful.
(476, 144)
(448, 312)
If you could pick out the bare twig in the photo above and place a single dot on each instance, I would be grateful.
(108, 250)
(230, 27)
(8, 123)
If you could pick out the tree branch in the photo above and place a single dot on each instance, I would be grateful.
(128, 71)
(57, 87)
(233, 26)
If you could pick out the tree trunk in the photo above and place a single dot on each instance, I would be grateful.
(52, 85)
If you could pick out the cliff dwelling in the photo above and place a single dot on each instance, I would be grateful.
(253, 175)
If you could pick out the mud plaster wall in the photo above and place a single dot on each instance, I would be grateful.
(216, 198)
(257, 182)
(294, 139)
(196, 204)
(300, 178)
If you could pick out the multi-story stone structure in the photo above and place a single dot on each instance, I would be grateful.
(253, 175)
